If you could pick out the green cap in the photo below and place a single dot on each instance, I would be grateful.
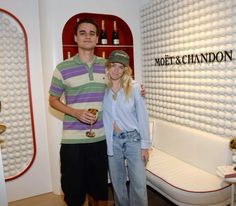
(119, 56)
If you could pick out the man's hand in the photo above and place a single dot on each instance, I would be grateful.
(142, 90)
(84, 116)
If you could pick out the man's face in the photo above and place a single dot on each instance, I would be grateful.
(86, 36)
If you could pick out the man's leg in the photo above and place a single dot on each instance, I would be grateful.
(97, 170)
(73, 181)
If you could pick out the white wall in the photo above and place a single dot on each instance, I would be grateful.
(37, 179)
(44, 21)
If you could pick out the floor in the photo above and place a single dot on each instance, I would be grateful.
(50, 199)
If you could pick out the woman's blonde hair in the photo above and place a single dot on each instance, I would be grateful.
(125, 81)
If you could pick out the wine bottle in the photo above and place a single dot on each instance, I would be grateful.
(68, 55)
(103, 54)
(103, 34)
(115, 35)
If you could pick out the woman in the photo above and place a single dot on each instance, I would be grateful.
(127, 132)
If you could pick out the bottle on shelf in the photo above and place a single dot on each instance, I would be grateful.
(103, 34)
(104, 54)
(115, 35)
(68, 55)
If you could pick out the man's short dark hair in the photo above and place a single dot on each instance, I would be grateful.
(86, 20)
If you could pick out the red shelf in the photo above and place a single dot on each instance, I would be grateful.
(125, 36)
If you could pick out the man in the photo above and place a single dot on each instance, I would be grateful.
(81, 80)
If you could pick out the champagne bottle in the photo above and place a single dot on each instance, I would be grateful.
(103, 54)
(115, 35)
(68, 55)
(103, 34)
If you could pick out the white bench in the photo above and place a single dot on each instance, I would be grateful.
(182, 165)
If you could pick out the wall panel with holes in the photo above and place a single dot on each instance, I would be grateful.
(19, 147)
(189, 63)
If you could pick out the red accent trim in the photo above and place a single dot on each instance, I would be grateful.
(30, 98)
(189, 190)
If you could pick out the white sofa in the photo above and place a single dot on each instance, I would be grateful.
(182, 165)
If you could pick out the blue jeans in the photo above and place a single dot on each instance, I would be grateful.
(127, 146)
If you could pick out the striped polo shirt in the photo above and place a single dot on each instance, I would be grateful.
(81, 87)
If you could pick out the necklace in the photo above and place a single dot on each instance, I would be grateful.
(114, 94)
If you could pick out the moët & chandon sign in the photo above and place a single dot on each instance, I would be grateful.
(210, 57)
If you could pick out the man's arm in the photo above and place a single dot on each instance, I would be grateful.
(80, 114)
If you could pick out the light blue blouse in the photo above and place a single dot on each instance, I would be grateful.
(128, 115)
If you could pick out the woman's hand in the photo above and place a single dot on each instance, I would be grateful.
(145, 155)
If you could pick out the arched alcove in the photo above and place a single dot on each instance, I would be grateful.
(125, 36)
(19, 149)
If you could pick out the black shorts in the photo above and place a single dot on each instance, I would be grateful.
(84, 169)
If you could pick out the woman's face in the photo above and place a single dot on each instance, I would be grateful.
(116, 71)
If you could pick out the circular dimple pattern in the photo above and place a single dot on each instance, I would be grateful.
(201, 96)
(18, 148)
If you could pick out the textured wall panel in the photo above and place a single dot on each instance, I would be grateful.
(19, 143)
(197, 95)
